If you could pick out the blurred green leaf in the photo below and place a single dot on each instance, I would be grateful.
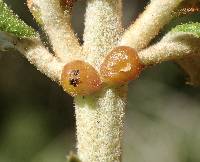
(11, 23)
(193, 28)
(179, 20)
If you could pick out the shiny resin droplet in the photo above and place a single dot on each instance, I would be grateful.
(80, 78)
(120, 66)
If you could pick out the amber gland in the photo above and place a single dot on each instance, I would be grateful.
(80, 78)
(120, 66)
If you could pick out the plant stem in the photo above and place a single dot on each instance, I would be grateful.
(40, 57)
(103, 28)
(147, 26)
(173, 46)
(100, 121)
(99, 117)
(57, 24)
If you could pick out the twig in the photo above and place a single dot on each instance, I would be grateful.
(157, 14)
(172, 47)
(58, 27)
(100, 117)
(39, 56)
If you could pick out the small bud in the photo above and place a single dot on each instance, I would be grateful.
(67, 4)
(188, 7)
(80, 78)
(120, 66)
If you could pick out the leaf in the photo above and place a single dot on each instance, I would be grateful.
(11, 23)
(180, 20)
(193, 28)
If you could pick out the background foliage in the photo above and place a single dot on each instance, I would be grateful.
(37, 117)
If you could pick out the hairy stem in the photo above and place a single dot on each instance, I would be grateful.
(173, 46)
(100, 116)
(100, 125)
(102, 28)
(58, 27)
(39, 56)
(157, 14)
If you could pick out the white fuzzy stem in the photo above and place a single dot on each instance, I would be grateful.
(99, 117)
(100, 120)
(148, 25)
(102, 28)
(172, 47)
(58, 27)
(39, 56)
